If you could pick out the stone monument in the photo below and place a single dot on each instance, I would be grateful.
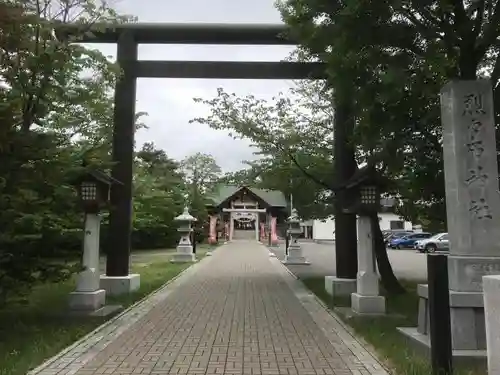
(473, 212)
(184, 253)
(366, 300)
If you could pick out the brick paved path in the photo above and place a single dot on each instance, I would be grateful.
(237, 312)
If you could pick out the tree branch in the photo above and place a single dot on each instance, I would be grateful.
(478, 22)
(424, 29)
(303, 170)
(460, 18)
(491, 31)
(495, 74)
(309, 175)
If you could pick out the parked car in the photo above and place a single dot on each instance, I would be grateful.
(390, 235)
(408, 241)
(438, 242)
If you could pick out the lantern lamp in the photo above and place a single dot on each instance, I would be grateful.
(185, 219)
(88, 191)
(364, 191)
(94, 189)
(293, 221)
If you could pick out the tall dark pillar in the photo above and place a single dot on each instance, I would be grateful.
(120, 219)
(346, 256)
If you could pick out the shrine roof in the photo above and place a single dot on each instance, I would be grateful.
(273, 198)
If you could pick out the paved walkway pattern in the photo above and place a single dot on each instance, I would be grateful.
(238, 312)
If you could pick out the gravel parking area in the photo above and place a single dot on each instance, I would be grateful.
(407, 264)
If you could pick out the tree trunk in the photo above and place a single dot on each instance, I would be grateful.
(468, 60)
(389, 280)
(346, 241)
(346, 244)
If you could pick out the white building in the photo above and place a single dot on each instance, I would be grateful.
(324, 230)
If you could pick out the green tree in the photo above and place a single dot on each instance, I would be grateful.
(159, 192)
(45, 97)
(249, 176)
(395, 71)
(201, 174)
(201, 171)
(39, 67)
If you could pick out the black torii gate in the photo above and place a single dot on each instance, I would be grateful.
(128, 37)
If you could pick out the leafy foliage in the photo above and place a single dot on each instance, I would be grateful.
(201, 173)
(392, 57)
(159, 198)
(56, 111)
(44, 101)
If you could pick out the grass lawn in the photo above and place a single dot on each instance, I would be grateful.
(36, 329)
(381, 332)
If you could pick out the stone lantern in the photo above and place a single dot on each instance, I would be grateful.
(184, 252)
(93, 190)
(294, 251)
(365, 188)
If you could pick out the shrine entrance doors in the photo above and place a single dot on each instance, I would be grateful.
(244, 223)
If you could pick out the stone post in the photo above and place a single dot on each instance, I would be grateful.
(212, 229)
(491, 287)
(366, 300)
(256, 215)
(88, 295)
(294, 252)
(473, 210)
(184, 252)
(273, 232)
(231, 226)
(226, 232)
(262, 232)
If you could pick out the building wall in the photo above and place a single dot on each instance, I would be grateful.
(325, 230)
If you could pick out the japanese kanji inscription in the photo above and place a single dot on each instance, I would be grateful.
(473, 107)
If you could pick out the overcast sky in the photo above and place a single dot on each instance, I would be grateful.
(169, 102)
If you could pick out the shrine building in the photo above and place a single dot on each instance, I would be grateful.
(243, 212)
